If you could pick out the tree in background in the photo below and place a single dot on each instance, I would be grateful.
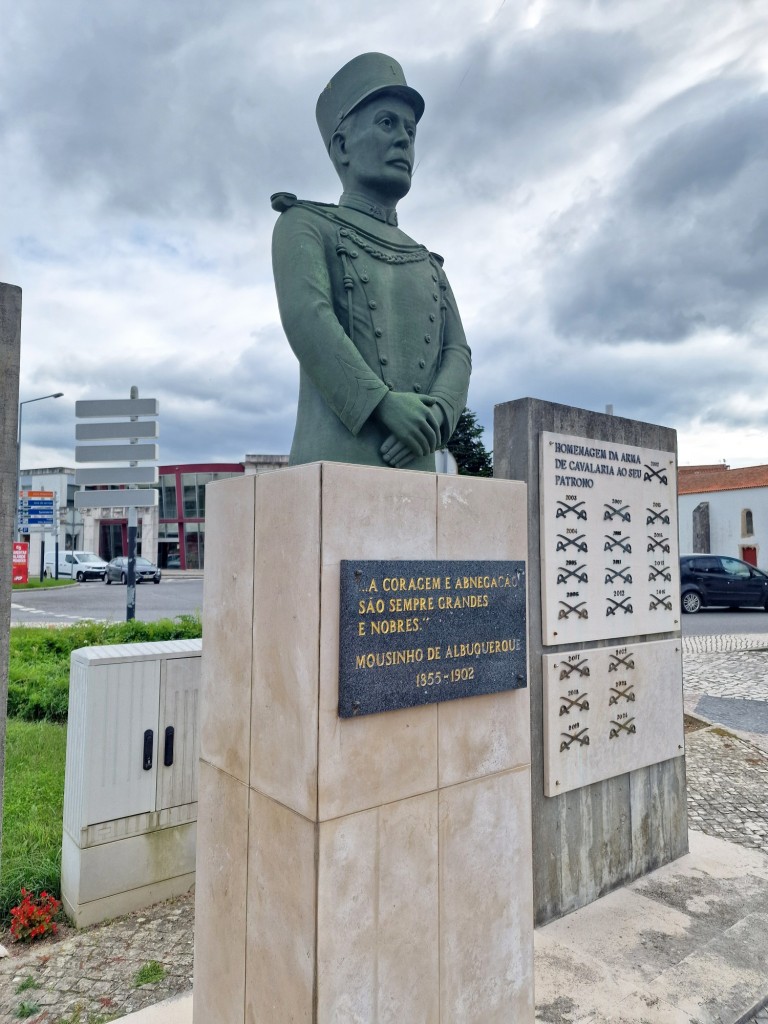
(466, 446)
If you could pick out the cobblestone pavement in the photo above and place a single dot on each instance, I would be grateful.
(726, 682)
(89, 977)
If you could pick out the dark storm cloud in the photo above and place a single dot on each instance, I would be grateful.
(594, 174)
(670, 385)
(682, 245)
(209, 409)
(505, 107)
(159, 115)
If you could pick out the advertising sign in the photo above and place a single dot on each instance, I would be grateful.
(20, 562)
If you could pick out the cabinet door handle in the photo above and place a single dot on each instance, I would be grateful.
(148, 745)
(168, 758)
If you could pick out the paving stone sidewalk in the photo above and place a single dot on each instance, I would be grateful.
(89, 977)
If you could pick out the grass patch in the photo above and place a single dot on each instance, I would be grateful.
(82, 1016)
(36, 743)
(28, 983)
(46, 584)
(27, 1010)
(149, 974)
(38, 677)
(33, 809)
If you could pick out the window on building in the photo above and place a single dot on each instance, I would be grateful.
(193, 487)
(168, 509)
(747, 525)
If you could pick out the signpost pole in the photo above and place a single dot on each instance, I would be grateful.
(130, 611)
(119, 497)
(56, 538)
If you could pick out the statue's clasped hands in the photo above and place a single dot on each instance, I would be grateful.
(414, 423)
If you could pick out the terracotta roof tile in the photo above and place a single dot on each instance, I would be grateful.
(708, 479)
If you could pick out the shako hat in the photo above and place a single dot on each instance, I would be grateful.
(362, 78)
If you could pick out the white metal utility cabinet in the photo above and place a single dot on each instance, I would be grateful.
(130, 791)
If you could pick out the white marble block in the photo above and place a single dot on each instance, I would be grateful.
(377, 868)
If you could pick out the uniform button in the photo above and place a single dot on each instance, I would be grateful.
(354, 253)
(417, 387)
(390, 385)
(434, 278)
(364, 278)
(383, 360)
(378, 332)
(422, 363)
(427, 338)
(371, 304)
(432, 317)
(344, 233)
(435, 296)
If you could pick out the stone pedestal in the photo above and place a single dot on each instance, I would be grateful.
(372, 869)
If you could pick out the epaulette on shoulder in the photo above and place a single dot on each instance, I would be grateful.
(282, 201)
(437, 258)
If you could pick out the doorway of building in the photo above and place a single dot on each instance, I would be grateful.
(749, 554)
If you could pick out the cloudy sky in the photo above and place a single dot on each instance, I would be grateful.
(595, 173)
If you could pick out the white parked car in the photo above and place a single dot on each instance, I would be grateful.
(80, 565)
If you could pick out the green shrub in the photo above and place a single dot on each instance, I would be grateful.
(38, 678)
(33, 811)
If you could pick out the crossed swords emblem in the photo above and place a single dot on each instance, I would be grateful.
(577, 609)
(620, 513)
(617, 574)
(657, 517)
(622, 542)
(654, 474)
(618, 694)
(616, 605)
(569, 740)
(568, 670)
(627, 661)
(655, 574)
(566, 542)
(662, 544)
(660, 602)
(578, 511)
(564, 574)
(627, 726)
(579, 702)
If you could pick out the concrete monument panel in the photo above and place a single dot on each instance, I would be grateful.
(610, 710)
(609, 548)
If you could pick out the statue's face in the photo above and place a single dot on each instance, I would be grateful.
(378, 148)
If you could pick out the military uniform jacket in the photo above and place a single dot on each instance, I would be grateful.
(365, 309)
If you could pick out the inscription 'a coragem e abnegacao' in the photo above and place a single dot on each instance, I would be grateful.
(415, 632)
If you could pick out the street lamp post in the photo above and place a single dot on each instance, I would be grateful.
(27, 401)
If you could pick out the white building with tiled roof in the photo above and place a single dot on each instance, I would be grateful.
(724, 511)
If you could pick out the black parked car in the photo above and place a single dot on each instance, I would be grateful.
(720, 580)
(117, 571)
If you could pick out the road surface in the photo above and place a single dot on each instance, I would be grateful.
(93, 600)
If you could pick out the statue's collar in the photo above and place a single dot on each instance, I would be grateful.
(354, 201)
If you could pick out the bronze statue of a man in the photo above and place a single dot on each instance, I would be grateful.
(368, 312)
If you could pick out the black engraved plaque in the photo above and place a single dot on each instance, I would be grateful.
(414, 633)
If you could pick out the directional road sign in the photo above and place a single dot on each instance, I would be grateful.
(129, 427)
